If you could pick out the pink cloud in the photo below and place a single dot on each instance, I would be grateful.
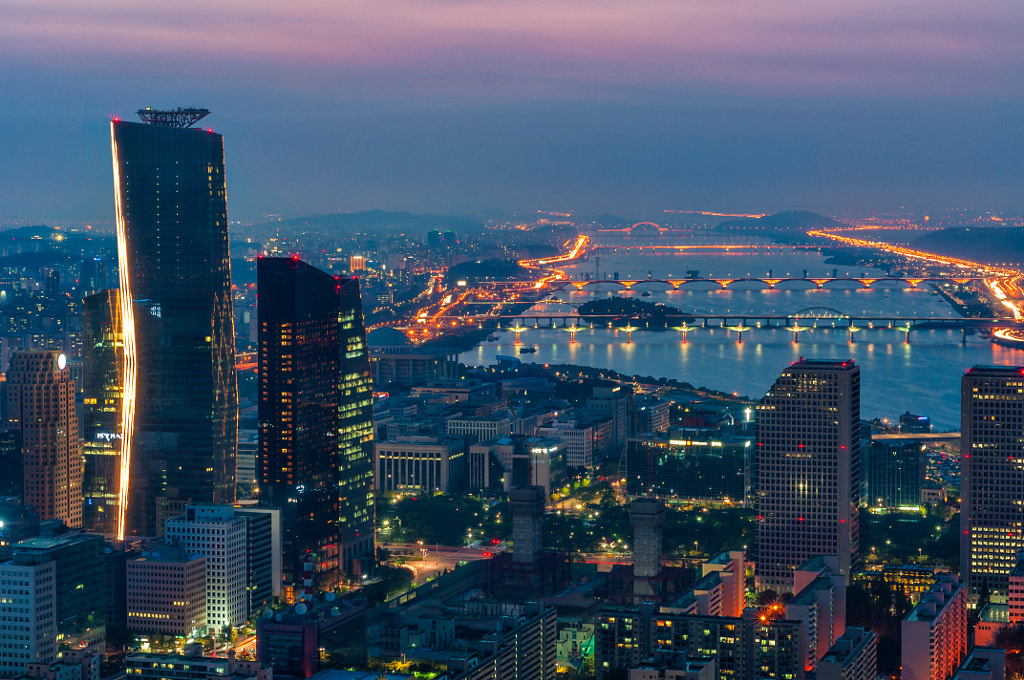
(928, 46)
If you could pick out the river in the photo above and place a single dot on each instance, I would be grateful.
(922, 377)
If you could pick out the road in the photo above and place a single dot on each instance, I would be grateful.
(437, 558)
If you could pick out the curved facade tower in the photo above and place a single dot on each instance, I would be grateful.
(180, 406)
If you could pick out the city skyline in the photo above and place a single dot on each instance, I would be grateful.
(446, 106)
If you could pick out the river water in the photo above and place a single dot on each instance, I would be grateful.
(922, 377)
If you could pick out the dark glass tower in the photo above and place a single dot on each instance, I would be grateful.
(316, 418)
(103, 364)
(181, 394)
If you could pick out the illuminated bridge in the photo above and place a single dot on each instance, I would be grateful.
(812, 318)
(817, 282)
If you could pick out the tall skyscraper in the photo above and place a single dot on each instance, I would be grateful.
(103, 350)
(41, 403)
(180, 407)
(808, 470)
(991, 477)
(316, 418)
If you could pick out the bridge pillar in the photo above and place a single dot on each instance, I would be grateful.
(906, 335)
(963, 336)
(684, 336)
(739, 337)
(796, 337)
(536, 323)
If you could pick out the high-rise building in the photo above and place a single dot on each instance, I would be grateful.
(216, 532)
(41, 404)
(991, 477)
(28, 617)
(647, 517)
(101, 396)
(316, 418)
(808, 470)
(180, 409)
(78, 584)
(895, 474)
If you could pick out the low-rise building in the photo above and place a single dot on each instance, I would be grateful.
(166, 591)
(424, 464)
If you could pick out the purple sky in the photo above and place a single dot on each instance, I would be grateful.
(519, 104)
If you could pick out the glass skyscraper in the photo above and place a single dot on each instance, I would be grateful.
(180, 408)
(103, 350)
(316, 419)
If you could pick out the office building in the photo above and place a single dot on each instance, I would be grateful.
(577, 442)
(102, 395)
(647, 518)
(217, 533)
(652, 415)
(612, 403)
(166, 591)
(991, 476)
(192, 665)
(701, 468)
(854, 656)
(41, 404)
(522, 648)
(407, 364)
(263, 553)
(10, 462)
(180, 406)
(934, 633)
(421, 464)
(293, 643)
(808, 470)
(895, 472)
(28, 618)
(316, 419)
(79, 585)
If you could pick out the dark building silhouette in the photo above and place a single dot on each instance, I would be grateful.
(175, 286)
(11, 482)
(316, 419)
(103, 363)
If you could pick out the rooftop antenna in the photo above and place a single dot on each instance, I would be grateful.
(176, 118)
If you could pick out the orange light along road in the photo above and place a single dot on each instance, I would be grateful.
(1003, 279)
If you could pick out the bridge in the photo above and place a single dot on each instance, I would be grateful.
(769, 282)
(811, 318)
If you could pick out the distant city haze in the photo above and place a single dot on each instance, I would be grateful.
(444, 105)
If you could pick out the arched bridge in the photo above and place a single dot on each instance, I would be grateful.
(818, 313)
(771, 282)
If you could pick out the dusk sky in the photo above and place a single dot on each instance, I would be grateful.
(467, 105)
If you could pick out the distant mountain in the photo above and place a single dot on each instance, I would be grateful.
(991, 245)
(790, 220)
(608, 221)
(377, 220)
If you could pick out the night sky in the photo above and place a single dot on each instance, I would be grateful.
(469, 105)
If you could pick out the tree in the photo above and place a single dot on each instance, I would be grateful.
(1011, 638)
